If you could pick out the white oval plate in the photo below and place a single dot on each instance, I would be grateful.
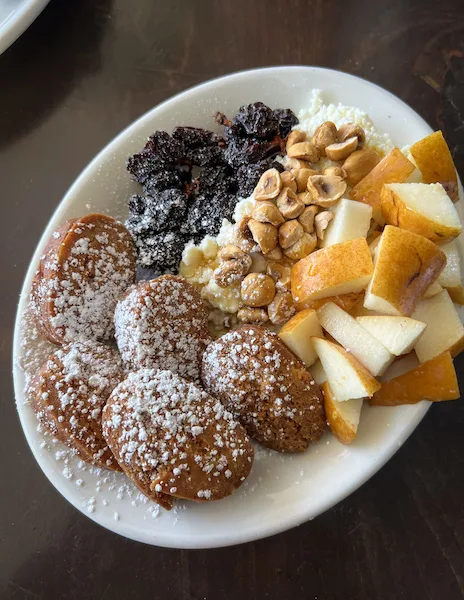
(282, 491)
(15, 18)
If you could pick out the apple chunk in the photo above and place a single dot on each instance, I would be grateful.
(444, 332)
(393, 168)
(434, 380)
(351, 220)
(355, 338)
(423, 208)
(433, 158)
(397, 334)
(343, 417)
(297, 334)
(347, 377)
(406, 265)
(339, 269)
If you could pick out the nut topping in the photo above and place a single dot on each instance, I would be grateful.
(252, 315)
(295, 163)
(257, 289)
(289, 233)
(304, 151)
(288, 180)
(359, 164)
(325, 135)
(231, 271)
(230, 252)
(281, 308)
(326, 190)
(348, 130)
(267, 212)
(322, 221)
(307, 218)
(338, 171)
(275, 254)
(289, 204)
(305, 197)
(301, 177)
(269, 185)
(304, 246)
(295, 137)
(242, 235)
(281, 274)
(264, 234)
(342, 150)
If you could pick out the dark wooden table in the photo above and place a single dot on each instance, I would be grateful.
(82, 72)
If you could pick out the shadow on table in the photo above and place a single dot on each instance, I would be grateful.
(46, 63)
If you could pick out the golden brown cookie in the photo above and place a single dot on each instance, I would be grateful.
(87, 265)
(163, 324)
(172, 439)
(264, 385)
(68, 395)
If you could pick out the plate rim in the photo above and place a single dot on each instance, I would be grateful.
(13, 28)
(56, 479)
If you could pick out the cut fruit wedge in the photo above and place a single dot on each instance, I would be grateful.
(406, 265)
(432, 290)
(451, 274)
(347, 377)
(343, 417)
(297, 334)
(456, 294)
(425, 209)
(433, 158)
(354, 338)
(339, 269)
(351, 220)
(434, 380)
(444, 332)
(318, 372)
(394, 167)
(345, 301)
(397, 334)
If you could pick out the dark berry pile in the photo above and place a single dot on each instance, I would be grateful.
(174, 206)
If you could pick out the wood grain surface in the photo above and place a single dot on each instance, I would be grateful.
(82, 72)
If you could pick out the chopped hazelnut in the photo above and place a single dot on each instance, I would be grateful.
(264, 234)
(269, 185)
(304, 246)
(342, 150)
(295, 163)
(295, 137)
(257, 289)
(359, 164)
(267, 212)
(349, 130)
(301, 177)
(289, 204)
(289, 233)
(242, 235)
(280, 274)
(230, 272)
(338, 171)
(252, 315)
(307, 218)
(230, 252)
(305, 197)
(288, 180)
(275, 254)
(326, 190)
(304, 151)
(322, 221)
(281, 308)
(325, 135)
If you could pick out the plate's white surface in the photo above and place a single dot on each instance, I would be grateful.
(282, 491)
(15, 18)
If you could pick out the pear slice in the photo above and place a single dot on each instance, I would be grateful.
(351, 220)
(397, 334)
(406, 265)
(355, 339)
(433, 158)
(297, 334)
(444, 332)
(343, 417)
(347, 377)
(434, 380)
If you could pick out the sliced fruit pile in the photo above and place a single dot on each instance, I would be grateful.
(366, 299)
